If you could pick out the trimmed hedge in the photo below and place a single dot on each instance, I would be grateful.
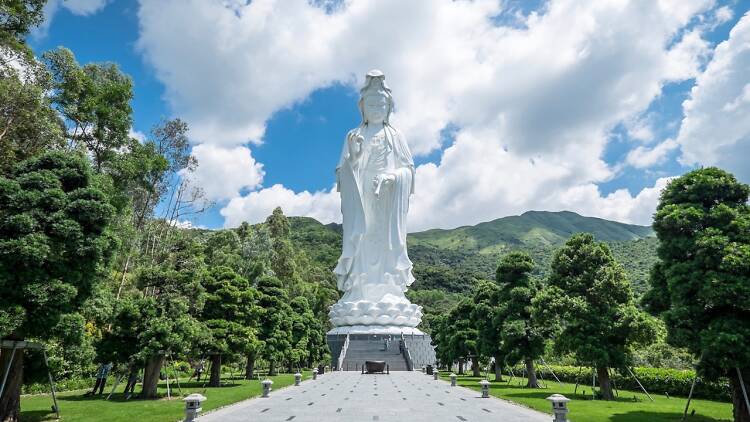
(64, 385)
(675, 382)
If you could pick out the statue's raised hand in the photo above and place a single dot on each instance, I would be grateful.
(355, 143)
(381, 179)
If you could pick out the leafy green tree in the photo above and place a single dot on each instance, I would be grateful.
(231, 314)
(463, 335)
(318, 286)
(17, 18)
(488, 323)
(282, 251)
(275, 322)
(28, 123)
(701, 286)
(95, 100)
(522, 337)
(302, 330)
(441, 340)
(54, 248)
(144, 173)
(121, 342)
(589, 299)
(173, 300)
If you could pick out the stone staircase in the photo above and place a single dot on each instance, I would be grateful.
(364, 349)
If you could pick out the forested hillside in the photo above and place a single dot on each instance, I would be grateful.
(448, 263)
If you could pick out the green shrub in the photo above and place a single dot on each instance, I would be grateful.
(64, 385)
(675, 382)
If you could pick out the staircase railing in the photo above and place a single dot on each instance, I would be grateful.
(342, 355)
(406, 353)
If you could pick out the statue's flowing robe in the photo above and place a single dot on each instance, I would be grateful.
(393, 269)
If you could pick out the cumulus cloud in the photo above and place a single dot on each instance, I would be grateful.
(643, 157)
(533, 103)
(715, 129)
(83, 7)
(619, 205)
(137, 135)
(224, 173)
(76, 7)
(256, 206)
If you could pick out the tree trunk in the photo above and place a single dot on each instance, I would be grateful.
(475, 367)
(498, 369)
(10, 403)
(531, 374)
(460, 367)
(151, 377)
(250, 367)
(271, 368)
(215, 380)
(605, 385)
(738, 399)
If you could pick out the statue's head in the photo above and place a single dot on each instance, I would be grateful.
(375, 100)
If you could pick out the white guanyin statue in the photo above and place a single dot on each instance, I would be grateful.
(375, 177)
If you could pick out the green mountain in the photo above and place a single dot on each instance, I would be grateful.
(448, 263)
(453, 260)
(533, 228)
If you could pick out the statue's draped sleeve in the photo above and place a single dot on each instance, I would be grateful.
(403, 188)
(352, 210)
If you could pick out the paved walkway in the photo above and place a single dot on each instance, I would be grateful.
(352, 397)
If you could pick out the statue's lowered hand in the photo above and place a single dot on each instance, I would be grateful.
(382, 179)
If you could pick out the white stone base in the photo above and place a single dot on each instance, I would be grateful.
(375, 329)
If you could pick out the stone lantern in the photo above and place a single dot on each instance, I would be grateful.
(315, 374)
(485, 388)
(559, 407)
(193, 406)
(297, 378)
(453, 379)
(266, 383)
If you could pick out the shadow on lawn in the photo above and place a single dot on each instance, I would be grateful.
(37, 415)
(195, 384)
(640, 416)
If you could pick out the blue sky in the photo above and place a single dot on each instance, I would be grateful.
(303, 126)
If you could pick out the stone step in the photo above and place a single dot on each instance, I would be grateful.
(360, 351)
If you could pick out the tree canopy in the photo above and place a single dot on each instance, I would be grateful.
(589, 301)
(701, 286)
(523, 337)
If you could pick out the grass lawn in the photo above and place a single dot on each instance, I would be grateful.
(624, 409)
(75, 407)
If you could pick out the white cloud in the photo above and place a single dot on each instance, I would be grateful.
(224, 172)
(723, 14)
(76, 7)
(137, 135)
(187, 224)
(619, 205)
(716, 127)
(84, 7)
(256, 206)
(643, 157)
(534, 103)
(640, 128)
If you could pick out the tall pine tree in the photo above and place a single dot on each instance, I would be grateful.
(701, 286)
(588, 297)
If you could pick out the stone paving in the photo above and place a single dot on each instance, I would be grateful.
(353, 397)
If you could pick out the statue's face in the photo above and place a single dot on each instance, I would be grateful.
(375, 108)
